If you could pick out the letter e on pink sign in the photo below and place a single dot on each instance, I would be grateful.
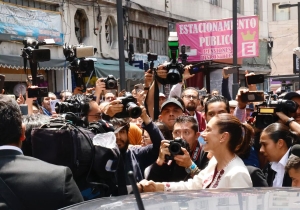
(248, 49)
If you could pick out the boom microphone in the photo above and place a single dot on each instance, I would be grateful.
(296, 150)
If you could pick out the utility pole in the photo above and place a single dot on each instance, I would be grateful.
(235, 85)
(121, 44)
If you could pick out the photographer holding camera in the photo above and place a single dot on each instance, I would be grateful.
(161, 77)
(292, 120)
(187, 155)
(135, 158)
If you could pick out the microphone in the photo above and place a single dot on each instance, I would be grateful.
(136, 191)
(296, 150)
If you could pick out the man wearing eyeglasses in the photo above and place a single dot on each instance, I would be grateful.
(190, 97)
(185, 165)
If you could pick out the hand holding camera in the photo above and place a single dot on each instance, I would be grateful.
(100, 86)
(175, 148)
(130, 107)
(163, 152)
(113, 108)
(183, 160)
(187, 72)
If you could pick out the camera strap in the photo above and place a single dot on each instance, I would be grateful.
(196, 152)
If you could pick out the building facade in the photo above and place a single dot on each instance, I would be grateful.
(146, 27)
(283, 34)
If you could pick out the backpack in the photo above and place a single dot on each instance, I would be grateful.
(64, 144)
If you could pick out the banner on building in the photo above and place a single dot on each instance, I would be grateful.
(213, 40)
(18, 22)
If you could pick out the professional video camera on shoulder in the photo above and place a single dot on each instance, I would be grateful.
(130, 107)
(77, 56)
(33, 54)
(175, 148)
(266, 111)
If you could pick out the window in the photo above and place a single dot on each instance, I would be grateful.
(216, 2)
(34, 4)
(240, 6)
(81, 25)
(110, 27)
(256, 7)
(148, 38)
(280, 14)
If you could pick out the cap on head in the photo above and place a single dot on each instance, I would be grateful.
(119, 124)
(172, 101)
(162, 95)
(291, 95)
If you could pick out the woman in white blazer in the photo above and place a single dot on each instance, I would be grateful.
(226, 139)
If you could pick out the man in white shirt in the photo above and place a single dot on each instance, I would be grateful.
(275, 141)
(278, 167)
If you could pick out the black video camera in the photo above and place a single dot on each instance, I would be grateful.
(266, 112)
(100, 127)
(175, 148)
(74, 104)
(175, 71)
(130, 107)
(111, 82)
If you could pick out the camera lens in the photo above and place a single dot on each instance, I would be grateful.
(173, 76)
(111, 84)
(175, 148)
(134, 110)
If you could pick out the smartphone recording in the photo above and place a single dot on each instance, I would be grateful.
(252, 96)
(255, 79)
(37, 92)
(230, 70)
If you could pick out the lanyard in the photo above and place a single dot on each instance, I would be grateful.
(196, 152)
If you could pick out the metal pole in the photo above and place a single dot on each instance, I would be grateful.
(121, 43)
(299, 43)
(235, 85)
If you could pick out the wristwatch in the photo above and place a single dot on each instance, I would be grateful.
(291, 119)
(191, 168)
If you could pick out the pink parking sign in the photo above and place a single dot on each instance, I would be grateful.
(212, 39)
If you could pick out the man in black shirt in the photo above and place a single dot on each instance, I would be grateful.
(184, 165)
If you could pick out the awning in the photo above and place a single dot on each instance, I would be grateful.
(104, 68)
(294, 78)
(16, 62)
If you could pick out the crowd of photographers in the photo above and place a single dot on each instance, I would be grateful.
(186, 140)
